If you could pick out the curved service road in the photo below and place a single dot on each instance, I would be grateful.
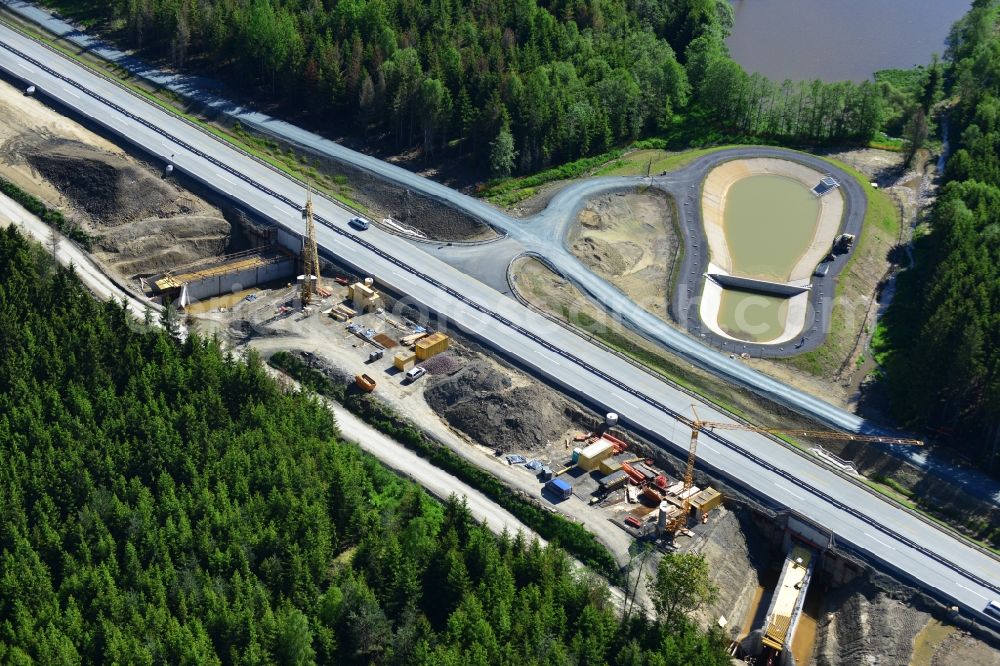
(544, 234)
(861, 521)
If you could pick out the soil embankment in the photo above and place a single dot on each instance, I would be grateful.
(141, 223)
(628, 239)
(432, 218)
(876, 620)
(860, 623)
(736, 557)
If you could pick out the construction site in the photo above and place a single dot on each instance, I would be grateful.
(601, 475)
(789, 594)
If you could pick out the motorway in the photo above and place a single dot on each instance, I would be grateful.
(544, 235)
(862, 521)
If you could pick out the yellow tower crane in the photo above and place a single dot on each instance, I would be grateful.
(310, 254)
(697, 425)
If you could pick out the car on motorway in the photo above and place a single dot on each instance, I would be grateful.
(993, 608)
(359, 224)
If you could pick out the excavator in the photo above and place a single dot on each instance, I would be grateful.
(697, 425)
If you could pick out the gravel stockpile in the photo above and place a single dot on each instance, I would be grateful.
(442, 364)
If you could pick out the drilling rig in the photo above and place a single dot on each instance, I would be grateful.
(310, 255)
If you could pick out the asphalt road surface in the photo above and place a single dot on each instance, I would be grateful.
(862, 521)
(544, 235)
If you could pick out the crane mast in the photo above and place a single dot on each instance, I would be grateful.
(310, 255)
(697, 425)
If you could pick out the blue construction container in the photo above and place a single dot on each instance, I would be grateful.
(559, 488)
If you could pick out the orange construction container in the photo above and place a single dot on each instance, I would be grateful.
(633, 473)
(619, 444)
(651, 493)
(365, 383)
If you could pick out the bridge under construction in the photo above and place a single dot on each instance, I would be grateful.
(221, 275)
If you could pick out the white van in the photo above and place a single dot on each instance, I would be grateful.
(993, 608)
(413, 374)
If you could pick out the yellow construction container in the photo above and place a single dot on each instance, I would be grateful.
(592, 456)
(403, 361)
(610, 466)
(363, 297)
(705, 501)
(431, 345)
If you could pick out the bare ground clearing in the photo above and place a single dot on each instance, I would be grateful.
(127, 212)
(628, 239)
(551, 294)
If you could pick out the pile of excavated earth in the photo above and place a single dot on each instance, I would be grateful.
(141, 223)
(502, 410)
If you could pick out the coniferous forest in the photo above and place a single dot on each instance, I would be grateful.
(163, 503)
(942, 341)
(518, 84)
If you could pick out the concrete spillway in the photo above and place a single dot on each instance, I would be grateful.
(786, 605)
(761, 286)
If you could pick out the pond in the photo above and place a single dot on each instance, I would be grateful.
(769, 223)
(750, 316)
(842, 40)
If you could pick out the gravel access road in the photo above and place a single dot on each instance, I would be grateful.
(68, 253)
(544, 235)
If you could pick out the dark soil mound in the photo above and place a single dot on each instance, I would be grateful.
(481, 401)
(90, 184)
(109, 189)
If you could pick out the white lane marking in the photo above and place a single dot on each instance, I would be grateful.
(788, 490)
(970, 590)
(69, 92)
(878, 541)
(630, 403)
